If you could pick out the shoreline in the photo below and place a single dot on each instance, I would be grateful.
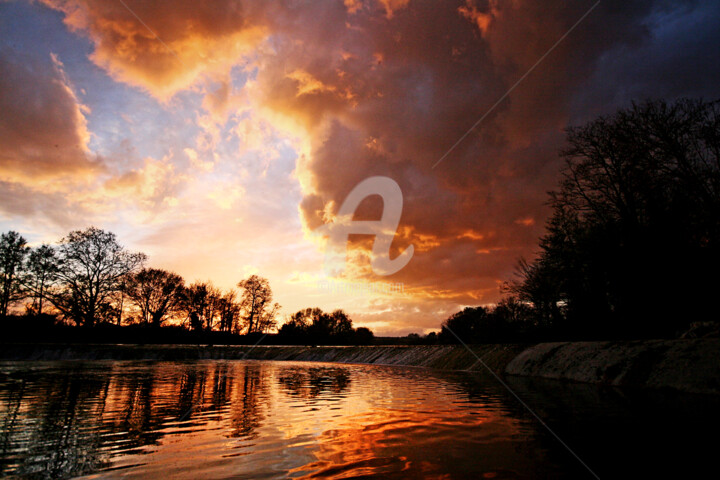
(686, 365)
(441, 357)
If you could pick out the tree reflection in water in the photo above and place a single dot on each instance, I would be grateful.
(254, 419)
(69, 421)
(61, 421)
(312, 382)
(48, 424)
(246, 412)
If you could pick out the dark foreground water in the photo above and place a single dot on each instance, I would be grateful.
(250, 419)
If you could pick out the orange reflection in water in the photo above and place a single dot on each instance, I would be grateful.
(410, 443)
(219, 419)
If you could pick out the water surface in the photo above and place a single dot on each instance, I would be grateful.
(253, 419)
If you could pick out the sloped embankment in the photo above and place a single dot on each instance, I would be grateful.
(686, 365)
(431, 356)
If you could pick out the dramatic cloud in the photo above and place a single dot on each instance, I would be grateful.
(44, 138)
(163, 46)
(389, 96)
(43, 131)
(47, 168)
(352, 89)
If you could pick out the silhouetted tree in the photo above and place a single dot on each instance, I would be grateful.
(156, 293)
(464, 324)
(312, 325)
(13, 249)
(539, 285)
(267, 320)
(363, 336)
(41, 271)
(635, 228)
(331, 326)
(302, 319)
(512, 310)
(413, 338)
(202, 303)
(256, 303)
(117, 300)
(229, 312)
(295, 329)
(91, 265)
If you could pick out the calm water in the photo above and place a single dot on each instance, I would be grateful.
(247, 419)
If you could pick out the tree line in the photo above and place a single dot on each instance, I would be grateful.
(88, 279)
(631, 250)
(632, 246)
(313, 326)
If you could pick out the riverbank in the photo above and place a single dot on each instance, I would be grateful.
(444, 357)
(688, 365)
(691, 365)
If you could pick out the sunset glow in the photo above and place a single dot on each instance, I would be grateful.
(216, 137)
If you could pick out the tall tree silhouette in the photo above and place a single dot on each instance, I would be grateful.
(256, 303)
(40, 272)
(91, 265)
(13, 249)
(267, 320)
(229, 312)
(156, 293)
(636, 222)
(202, 303)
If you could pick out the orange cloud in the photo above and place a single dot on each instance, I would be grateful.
(43, 130)
(416, 89)
(149, 187)
(46, 165)
(307, 84)
(164, 47)
(392, 6)
(385, 88)
(481, 18)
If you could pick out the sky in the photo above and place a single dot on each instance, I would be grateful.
(219, 137)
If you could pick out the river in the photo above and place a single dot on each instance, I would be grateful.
(266, 419)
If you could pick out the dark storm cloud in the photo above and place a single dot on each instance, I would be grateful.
(386, 88)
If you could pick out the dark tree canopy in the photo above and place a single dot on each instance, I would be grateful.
(90, 280)
(40, 273)
(156, 293)
(229, 313)
(633, 244)
(13, 249)
(90, 269)
(313, 326)
(256, 303)
(474, 325)
(201, 303)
